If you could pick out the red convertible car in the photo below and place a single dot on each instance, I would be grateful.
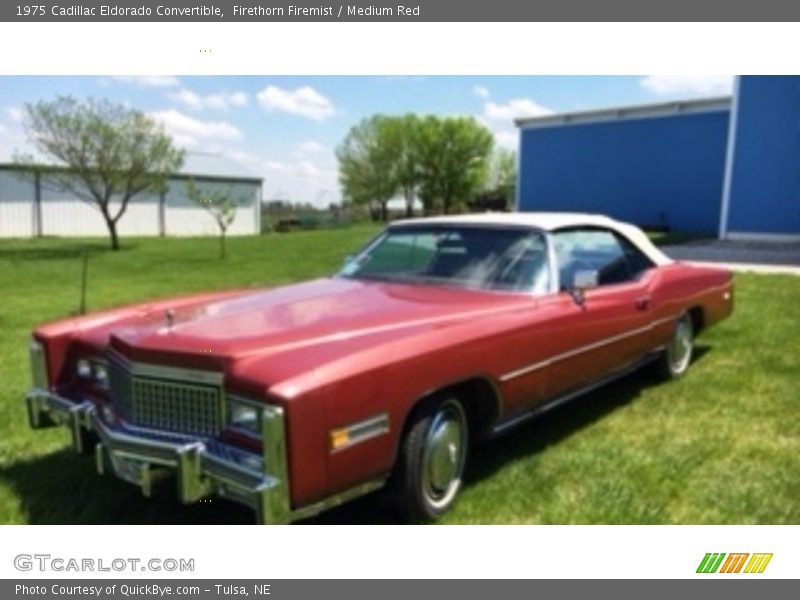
(439, 331)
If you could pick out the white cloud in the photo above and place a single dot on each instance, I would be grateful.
(13, 139)
(481, 91)
(691, 85)
(505, 133)
(309, 148)
(15, 113)
(304, 101)
(499, 117)
(314, 181)
(148, 80)
(514, 109)
(304, 181)
(507, 138)
(220, 101)
(188, 131)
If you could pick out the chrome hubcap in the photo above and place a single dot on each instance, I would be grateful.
(681, 346)
(445, 448)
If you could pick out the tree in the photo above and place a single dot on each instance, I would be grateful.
(220, 204)
(443, 161)
(109, 153)
(367, 164)
(403, 138)
(454, 155)
(502, 178)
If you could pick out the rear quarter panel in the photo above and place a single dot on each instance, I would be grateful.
(680, 287)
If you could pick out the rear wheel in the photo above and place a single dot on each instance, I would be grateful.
(432, 459)
(677, 356)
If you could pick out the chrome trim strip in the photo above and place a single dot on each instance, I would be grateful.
(549, 405)
(274, 507)
(583, 349)
(145, 431)
(164, 372)
(363, 430)
(552, 263)
(305, 512)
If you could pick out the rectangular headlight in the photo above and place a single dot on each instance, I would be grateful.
(83, 368)
(244, 415)
(38, 364)
(100, 373)
(94, 370)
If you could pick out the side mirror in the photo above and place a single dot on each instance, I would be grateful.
(582, 281)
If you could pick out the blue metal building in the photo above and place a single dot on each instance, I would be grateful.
(761, 199)
(721, 166)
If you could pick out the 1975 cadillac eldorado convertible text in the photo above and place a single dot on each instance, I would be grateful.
(438, 332)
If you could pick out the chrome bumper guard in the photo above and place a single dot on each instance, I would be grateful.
(201, 467)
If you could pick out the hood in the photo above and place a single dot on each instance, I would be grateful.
(302, 316)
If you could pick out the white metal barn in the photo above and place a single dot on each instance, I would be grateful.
(29, 207)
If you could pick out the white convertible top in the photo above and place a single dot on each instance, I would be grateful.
(550, 221)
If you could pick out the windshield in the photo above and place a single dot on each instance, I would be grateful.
(512, 259)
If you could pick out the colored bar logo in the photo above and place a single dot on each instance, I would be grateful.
(719, 562)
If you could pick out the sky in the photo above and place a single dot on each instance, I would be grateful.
(286, 129)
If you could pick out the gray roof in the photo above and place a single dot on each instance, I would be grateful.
(214, 165)
(197, 165)
(661, 109)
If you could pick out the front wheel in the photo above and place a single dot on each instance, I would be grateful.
(677, 357)
(432, 459)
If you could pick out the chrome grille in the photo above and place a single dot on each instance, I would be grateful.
(166, 403)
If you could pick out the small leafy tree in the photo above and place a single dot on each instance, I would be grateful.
(219, 202)
(106, 154)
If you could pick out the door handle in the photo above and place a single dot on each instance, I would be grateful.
(642, 302)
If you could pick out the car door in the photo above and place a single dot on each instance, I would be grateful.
(606, 329)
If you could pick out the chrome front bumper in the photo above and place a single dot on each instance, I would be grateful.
(201, 467)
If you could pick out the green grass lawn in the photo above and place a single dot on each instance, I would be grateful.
(721, 445)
